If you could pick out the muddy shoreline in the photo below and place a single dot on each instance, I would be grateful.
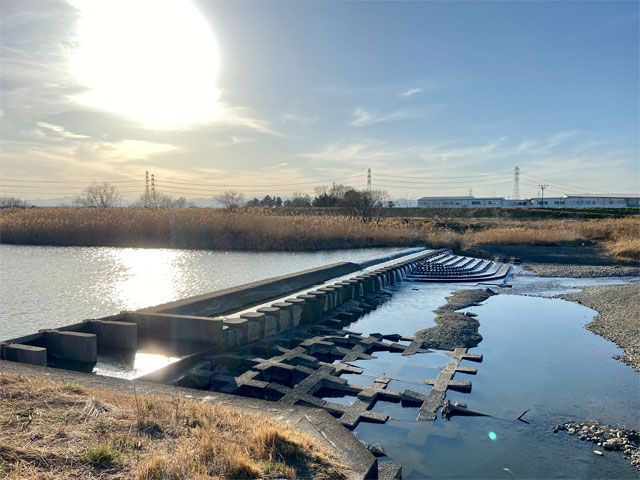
(454, 329)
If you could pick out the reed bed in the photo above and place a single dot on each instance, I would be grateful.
(266, 230)
(51, 430)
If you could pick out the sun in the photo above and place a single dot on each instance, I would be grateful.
(155, 61)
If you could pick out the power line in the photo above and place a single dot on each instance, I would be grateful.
(226, 185)
(456, 177)
(442, 187)
(66, 181)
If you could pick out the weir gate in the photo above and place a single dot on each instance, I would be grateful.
(284, 339)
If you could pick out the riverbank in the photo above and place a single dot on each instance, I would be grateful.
(611, 240)
(617, 319)
(53, 429)
(582, 271)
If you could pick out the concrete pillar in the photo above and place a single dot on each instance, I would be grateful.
(72, 346)
(17, 352)
(297, 306)
(286, 314)
(312, 309)
(332, 300)
(269, 324)
(322, 298)
(117, 335)
(272, 316)
(243, 330)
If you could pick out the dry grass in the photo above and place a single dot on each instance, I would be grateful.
(49, 430)
(264, 230)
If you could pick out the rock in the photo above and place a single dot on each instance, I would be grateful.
(583, 437)
(377, 450)
(598, 452)
(613, 444)
(460, 404)
(634, 438)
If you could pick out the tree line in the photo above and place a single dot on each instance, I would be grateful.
(363, 204)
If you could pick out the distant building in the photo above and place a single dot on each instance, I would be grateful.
(585, 200)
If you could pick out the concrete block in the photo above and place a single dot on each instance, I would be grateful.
(17, 352)
(297, 306)
(323, 298)
(72, 346)
(269, 323)
(118, 335)
(312, 308)
(273, 316)
(177, 327)
(238, 330)
(286, 310)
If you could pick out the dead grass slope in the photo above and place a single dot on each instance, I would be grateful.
(52, 430)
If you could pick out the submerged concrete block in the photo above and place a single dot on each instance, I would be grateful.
(17, 352)
(73, 346)
(312, 308)
(112, 334)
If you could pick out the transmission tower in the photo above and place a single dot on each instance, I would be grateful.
(153, 187)
(516, 183)
(146, 186)
(369, 179)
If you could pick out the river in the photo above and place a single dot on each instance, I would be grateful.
(49, 287)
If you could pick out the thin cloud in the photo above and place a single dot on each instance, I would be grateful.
(361, 117)
(57, 129)
(411, 91)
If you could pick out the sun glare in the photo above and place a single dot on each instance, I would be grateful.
(155, 61)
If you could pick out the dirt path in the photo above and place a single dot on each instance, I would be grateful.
(618, 319)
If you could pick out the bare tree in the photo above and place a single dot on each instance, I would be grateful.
(160, 200)
(101, 195)
(364, 205)
(231, 199)
(12, 202)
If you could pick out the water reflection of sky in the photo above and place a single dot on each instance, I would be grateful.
(48, 287)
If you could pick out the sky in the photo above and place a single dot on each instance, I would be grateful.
(436, 98)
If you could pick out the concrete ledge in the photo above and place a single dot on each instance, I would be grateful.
(316, 423)
(175, 327)
(25, 354)
(112, 334)
(250, 294)
(72, 346)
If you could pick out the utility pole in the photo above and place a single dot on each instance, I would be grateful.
(542, 187)
(516, 184)
(369, 180)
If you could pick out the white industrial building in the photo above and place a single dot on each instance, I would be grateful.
(585, 200)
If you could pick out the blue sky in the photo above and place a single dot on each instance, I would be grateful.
(435, 97)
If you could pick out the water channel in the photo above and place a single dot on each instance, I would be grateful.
(537, 353)
(49, 287)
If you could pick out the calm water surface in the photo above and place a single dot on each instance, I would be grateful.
(537, 356)
(48, 287)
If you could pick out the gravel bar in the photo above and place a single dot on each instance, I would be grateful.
(618, 318)
(581, 271)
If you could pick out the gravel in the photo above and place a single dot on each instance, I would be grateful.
(618, 318)
(581, 271)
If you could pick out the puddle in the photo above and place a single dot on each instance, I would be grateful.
(537, 356)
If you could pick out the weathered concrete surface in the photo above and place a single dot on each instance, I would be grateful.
(117, 335)
(72, 346)
(25, 354)
(314, 422)
(454, 329)
(244, 296)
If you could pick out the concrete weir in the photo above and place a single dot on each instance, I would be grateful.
(282, 340)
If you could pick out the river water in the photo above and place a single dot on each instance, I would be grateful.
(49, 287)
